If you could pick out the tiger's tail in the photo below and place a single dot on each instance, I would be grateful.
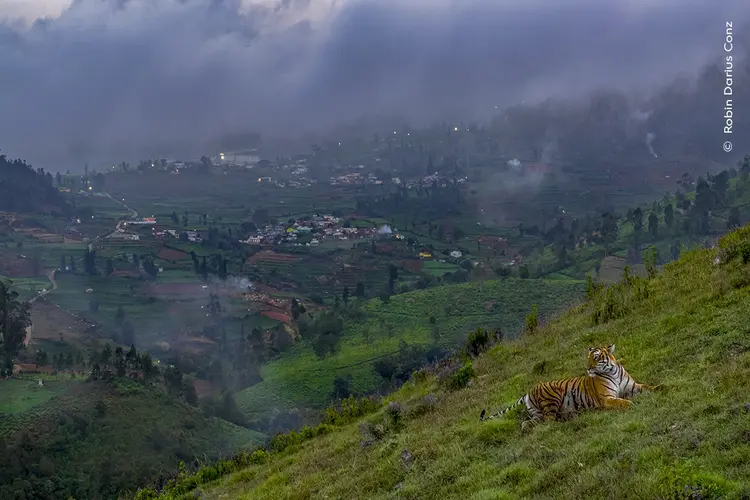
(501, 412)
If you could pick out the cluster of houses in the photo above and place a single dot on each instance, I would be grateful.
(320, 227)
(355, 178)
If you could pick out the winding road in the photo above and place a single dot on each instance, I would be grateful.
(51, 275)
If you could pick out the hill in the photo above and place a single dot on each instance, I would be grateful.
(435, 317)
(23, 189)
(97, 439)
(684, 328)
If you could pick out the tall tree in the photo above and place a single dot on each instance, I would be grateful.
(653, 225)
(15, 317)
(669, 215)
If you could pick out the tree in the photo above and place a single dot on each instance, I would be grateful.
(345, 295)
(150, 267)
(41, 358)
(15, 317)
(62, 264)
(458, 233)
(89, 262)
(360, 290)
(204, 268)
(523, 272)
(653, 224)
(72, 265)
(392, 277)
(705, 197)
(175, 218)
(609, 230)
(638, 220)
(341, 387)
(734, 218)
(720, 186)
(110, 267)
(669, 215)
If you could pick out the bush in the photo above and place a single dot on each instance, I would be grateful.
(684, 483)
(735, 244)
(462, 377)
(480, 340)
(532, 319)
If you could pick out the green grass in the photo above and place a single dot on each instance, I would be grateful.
(299, 377)
(124, 431)
(690, 333)
(18, 395)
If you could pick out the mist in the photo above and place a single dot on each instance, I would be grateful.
(107, 80)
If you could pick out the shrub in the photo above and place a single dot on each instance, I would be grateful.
(532, 319)
(461, 378)
(478, 341)
(395, 414)
(684, 483)
(735, 244)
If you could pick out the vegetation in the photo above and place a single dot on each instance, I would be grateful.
(380, 344)
(126, 433)
(682, 328)
(24, 189)
(14, 319)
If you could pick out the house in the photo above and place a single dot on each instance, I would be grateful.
(253, 240)
(194, 236)
(314, 242)
(456, 254)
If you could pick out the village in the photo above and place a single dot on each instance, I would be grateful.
(309, 232)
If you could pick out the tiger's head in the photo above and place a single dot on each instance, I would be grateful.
(601, 359)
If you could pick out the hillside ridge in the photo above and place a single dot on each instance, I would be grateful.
(685, 328)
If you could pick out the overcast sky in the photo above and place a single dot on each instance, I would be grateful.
(121, 75)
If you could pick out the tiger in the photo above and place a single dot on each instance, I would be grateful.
(606, 385)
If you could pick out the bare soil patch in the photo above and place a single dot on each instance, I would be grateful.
(171, 254)
(278, 316)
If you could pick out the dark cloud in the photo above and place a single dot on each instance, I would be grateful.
(125, 77)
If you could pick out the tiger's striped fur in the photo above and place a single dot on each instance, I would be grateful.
(607, 385)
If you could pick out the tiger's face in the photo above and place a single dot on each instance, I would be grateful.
(601, 359)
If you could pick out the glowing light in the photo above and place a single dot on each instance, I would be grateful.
(455, 129)
(259, 179)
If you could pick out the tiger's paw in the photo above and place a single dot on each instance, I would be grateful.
(481, 415)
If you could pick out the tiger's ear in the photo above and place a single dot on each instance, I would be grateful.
(611, 348)
(591, 349)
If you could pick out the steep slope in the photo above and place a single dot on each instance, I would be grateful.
(96, 439)
(687, 328)
(300, 378)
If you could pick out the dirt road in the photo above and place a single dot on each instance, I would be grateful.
(53, 282)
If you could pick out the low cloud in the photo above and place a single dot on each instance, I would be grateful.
(107, 79)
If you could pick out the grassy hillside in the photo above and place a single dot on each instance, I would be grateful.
(93, 439)
(686, 328)
(300, 378)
